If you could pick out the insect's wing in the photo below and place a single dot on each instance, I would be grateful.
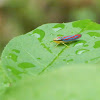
(67, 38)
(71, 37)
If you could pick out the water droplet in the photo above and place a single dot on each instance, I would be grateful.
(15, 50)
(51, 41)
(14, 71)
(69, 60)
(80, 43)
(26, 65)
(81, 51)
(39, 58)
(13, 57)
(64, 59)
(95, 58)
(58, 27)
(51, 34)
(97, 44)
(38, 33)
(95, 37)
(59, 35)
(94, 34)
(86, 62)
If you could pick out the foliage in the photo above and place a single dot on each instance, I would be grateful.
(4, 82)
(34, 54)
(67, 83)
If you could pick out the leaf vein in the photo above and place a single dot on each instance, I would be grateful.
(61, 52)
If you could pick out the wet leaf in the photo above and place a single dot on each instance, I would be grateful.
(34, 53)
(67, 83)
(4, 82)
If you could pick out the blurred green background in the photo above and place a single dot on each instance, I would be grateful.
(21, 16)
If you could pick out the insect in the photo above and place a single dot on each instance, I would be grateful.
(66, 39)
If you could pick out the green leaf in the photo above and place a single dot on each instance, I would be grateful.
(4, 82)
(34, 52)
(67, 83)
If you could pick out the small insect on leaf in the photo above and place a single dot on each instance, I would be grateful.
(66, 39)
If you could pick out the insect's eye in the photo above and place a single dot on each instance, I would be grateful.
(58, 37)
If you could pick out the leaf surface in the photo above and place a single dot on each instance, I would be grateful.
(4, 82)
(34, 53)
(67, 83)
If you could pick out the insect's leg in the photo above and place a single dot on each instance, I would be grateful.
(65, 45)
(57, 44)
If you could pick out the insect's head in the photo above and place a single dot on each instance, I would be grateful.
(57, 39)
